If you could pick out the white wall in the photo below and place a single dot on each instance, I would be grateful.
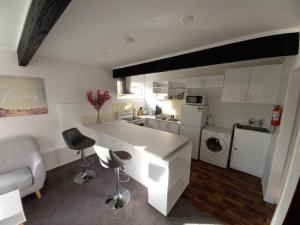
(226, 114)
(278, 155)
(287, 67)
(292, 178)
(65, 83)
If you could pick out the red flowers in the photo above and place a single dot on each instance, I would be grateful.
(98, 101)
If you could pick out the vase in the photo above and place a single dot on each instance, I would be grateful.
(98, 120)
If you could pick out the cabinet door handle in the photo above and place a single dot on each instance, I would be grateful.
(235, 148)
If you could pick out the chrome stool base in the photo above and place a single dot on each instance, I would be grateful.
(119, 199)
(84, 177)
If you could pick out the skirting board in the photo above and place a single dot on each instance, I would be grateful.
(62, 156)
(263, 186)
(267, 198)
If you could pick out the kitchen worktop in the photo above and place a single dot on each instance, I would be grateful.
(158, 143)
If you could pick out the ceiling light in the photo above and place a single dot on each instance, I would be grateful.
(187, 19)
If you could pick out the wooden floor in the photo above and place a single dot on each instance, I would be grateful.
(229, 195)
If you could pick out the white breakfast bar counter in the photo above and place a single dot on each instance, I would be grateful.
(160, 160)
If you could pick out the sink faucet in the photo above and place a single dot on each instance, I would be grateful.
(252, 122)
(134, 112)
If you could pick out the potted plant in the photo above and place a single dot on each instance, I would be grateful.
(97, 101)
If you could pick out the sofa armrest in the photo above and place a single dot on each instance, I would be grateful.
(38, 168)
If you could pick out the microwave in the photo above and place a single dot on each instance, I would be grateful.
(196, 100)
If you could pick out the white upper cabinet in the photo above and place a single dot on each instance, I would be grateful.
(205, 81)
(264, 84)
(160, 87)
(214, 81)
(236, 84)
(258, 84)
(194, 82)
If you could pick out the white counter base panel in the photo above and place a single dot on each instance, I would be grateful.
(165, 178)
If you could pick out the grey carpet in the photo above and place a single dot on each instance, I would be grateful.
(66, 203)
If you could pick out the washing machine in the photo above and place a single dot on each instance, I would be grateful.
(215, 145)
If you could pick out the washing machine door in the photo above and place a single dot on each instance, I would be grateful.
(215, 144)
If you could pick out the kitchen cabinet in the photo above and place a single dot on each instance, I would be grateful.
(152, 123)
(214, 81)
(236, 84)
(259, 84)
(264, 84)
(196, 82)
(160, 87)
(168, 127)
(249, 151)
(205, 81)
(172, 127)
(163, 125)
(176, 89)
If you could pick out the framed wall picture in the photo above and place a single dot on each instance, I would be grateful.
(21, 96)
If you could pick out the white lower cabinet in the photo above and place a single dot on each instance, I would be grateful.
(163, 125)
(249, 151)
(152, 123)
(172, 128)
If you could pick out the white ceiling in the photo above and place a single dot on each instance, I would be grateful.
(95, 31)
(12, 17)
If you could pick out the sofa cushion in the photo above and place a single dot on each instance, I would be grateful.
(20, 178)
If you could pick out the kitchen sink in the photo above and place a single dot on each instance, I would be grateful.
(173, 120)
(258, 129)
(160, 117)
(130, 119)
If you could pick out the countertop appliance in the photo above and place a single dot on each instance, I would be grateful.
(192, 121)
(215, 145)
(196, 100)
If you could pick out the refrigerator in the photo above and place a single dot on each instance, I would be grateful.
(193, 119)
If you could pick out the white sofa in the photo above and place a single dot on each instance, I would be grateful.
(21, 166)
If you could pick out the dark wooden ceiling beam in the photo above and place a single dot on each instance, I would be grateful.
(41, 17)
(264, 47)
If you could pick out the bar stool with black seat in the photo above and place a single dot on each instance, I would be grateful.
(77, 141)
(115, 160)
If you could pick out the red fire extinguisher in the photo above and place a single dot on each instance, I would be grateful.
(276, 115)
